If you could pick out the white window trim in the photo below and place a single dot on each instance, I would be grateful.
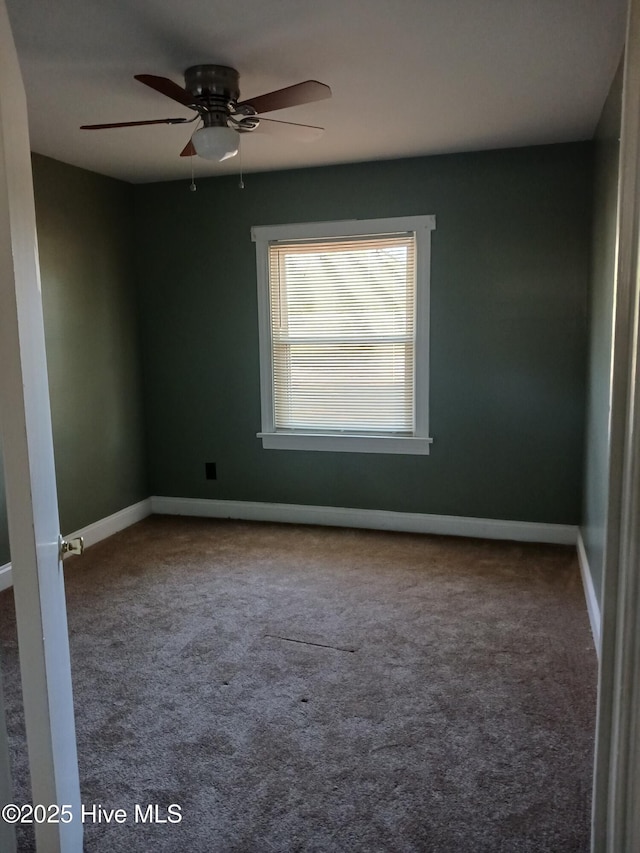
(272, 439)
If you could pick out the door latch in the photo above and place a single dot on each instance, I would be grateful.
(71, 546)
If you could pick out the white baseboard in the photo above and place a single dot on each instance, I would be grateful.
(99, 530)
(5, 576)
(406, 522)
(95, 532)
(593, 608)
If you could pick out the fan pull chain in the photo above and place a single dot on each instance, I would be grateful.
(241, 184)
(192, 185)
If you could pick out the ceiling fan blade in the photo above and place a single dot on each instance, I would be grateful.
(134, 123)
(299, 132)
(188, 150)
(166, 87)
(292, 96)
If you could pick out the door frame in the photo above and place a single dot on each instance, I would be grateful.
(616, 817)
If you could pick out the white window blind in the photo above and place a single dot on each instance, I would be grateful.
(343, 334)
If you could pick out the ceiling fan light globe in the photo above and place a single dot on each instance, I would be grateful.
(216, 143)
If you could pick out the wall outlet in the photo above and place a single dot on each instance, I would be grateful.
(210, 471)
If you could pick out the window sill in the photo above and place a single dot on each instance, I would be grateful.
(407, 445)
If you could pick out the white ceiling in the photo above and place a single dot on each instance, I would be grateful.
(409, 77)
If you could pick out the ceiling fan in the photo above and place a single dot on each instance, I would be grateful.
(212, 91)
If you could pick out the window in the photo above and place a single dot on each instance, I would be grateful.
(344, 323)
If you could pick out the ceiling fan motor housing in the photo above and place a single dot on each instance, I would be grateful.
(214, 88)
(213, 82)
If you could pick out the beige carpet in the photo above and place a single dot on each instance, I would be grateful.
(326, 690)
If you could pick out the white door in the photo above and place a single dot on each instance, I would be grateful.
(25, 426)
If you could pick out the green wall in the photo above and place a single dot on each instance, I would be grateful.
(602, 285)
(508, 348)
(509, 271)
(85, 236)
